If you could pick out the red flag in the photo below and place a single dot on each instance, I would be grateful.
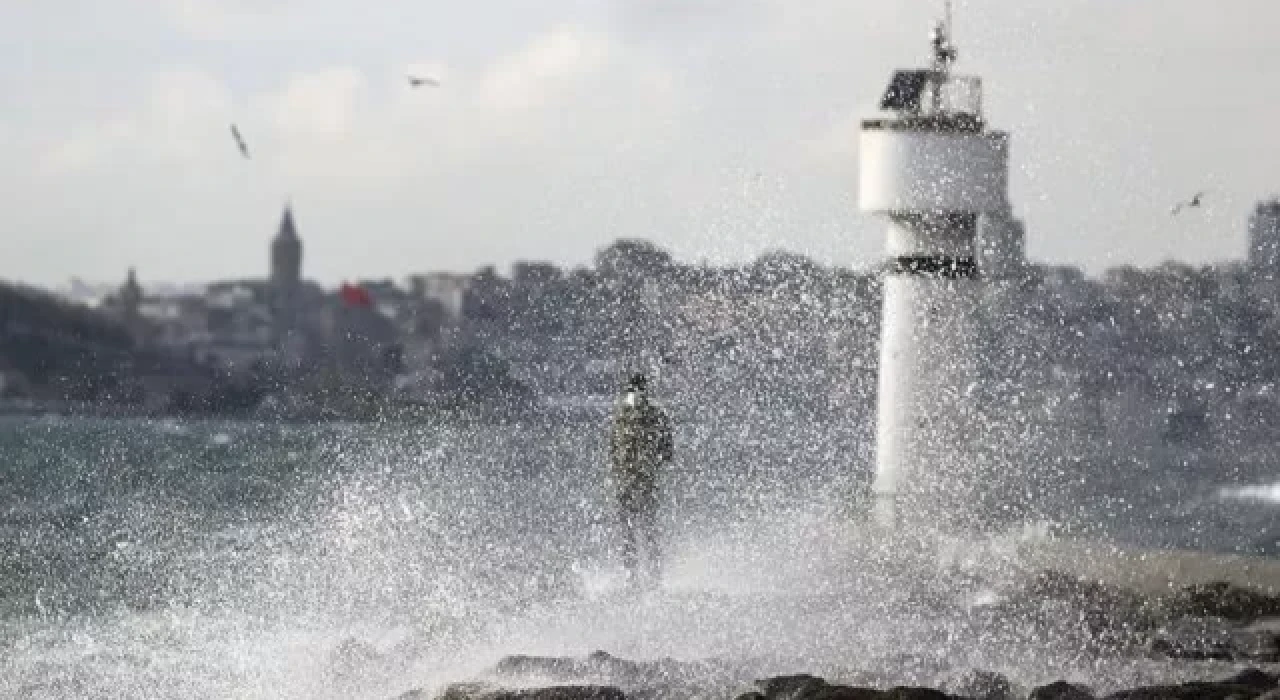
(355, 295)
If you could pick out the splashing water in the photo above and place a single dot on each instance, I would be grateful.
(359, 562)
(1269, 493)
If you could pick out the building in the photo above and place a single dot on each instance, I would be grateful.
(131, 306)
(1264, 240)
(1001, 246)
(285, 282)
(130, 296)
(448, 289)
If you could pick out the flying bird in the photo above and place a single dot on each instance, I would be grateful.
(417, 81)
(235, 134)
(1193, 203)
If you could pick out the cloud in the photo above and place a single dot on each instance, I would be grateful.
(535, 75)
(319, 105)
(223, 19)
(713, 129)
(497, 148)
(174, 124)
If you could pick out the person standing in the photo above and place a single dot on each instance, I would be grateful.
(640, 445)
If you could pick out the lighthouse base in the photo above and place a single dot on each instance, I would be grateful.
(884, 510)
(926, 462)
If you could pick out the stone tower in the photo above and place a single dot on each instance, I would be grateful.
(130, 297)
(130, 300)
(286, 253)
(286, 276)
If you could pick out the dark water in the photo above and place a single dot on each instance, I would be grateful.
(166, 559)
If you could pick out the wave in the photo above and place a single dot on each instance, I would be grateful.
(1267, 493)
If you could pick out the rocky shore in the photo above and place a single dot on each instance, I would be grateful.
(546, 678)
(1213, 641)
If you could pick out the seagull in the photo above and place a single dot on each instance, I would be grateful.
(416, 81)
(235, 134)
(1193, 203)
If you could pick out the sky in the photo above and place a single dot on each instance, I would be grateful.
(719, 129)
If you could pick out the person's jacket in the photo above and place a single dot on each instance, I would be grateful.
(640, 443)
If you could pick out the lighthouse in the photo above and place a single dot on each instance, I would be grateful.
(932, 168)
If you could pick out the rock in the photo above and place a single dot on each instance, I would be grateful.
(465, 691)
(1192, 650)
(1258, 645)
(563, 692)
(646, 680)
(549, 666)
(982, 685)
(1205, 641)
(1221, 599)
(1088, 594)
(598, 664)
(806, 687)
(1107, 616)
(794, 687)
(484, 691)
(915, 694)
(908, 669)
(1189, 691)
(1061, 690)
(1253, 678)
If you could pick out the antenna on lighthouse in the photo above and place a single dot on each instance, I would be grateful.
(944, 51)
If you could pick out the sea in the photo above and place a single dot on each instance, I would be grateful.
(223, 559)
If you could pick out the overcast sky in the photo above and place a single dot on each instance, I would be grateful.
(718, 128)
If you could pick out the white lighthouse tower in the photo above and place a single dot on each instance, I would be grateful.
(932, 168)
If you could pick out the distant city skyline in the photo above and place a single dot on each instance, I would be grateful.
(717, 130)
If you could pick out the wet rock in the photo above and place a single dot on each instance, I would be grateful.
(463, 691)
(598, 664)
(549, 666)
(789, 687)
(982, 685)
(1258, 645)
(1202, 623)
(1061, 690)
(484, 691)
(806, 687)
(642, 680)
(1254, 678)
(1086, 593)
(907, 669)
(1189, 691)
(1225, 600)
(915, 694)
(1191, 650)
(1246, 685)
(1214, 639)
(1089, 612)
